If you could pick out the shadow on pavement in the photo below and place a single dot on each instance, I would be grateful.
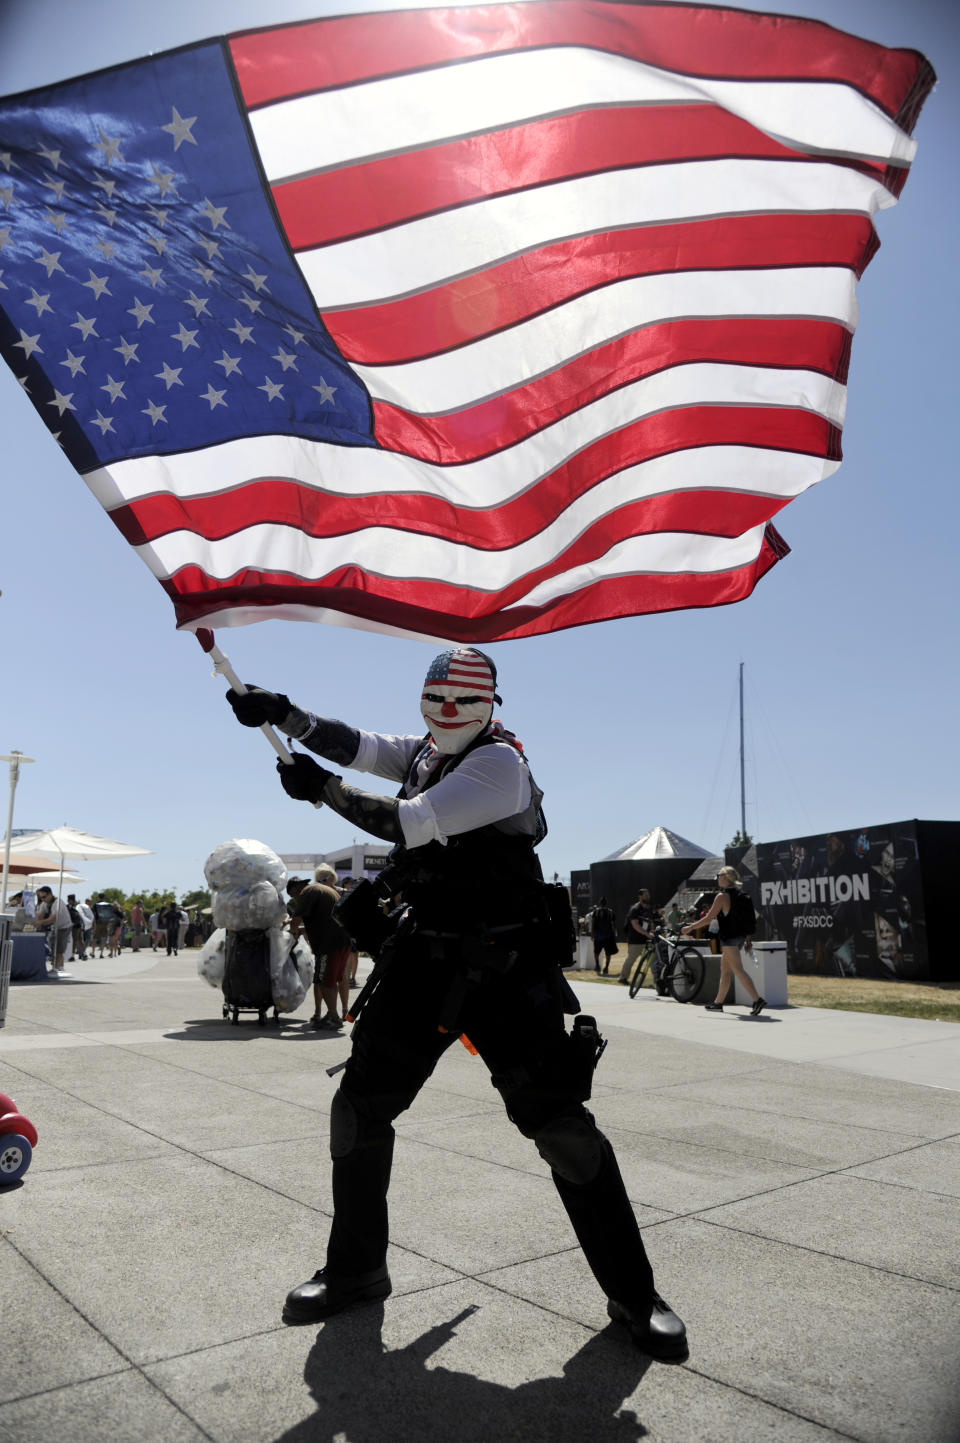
(358, 1387)
(209, 1029)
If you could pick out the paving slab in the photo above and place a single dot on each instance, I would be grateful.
(830, 1094)
(71, 1133)
(854, 1349)
(934, 1167)
(461, 1211)
(867, 1042)
(655, 1059)
(889, 1227)
(683, 1177)
(461, 1362)
(50, 1344)
(163, 1255)
(748, 1132)
(124, 1409)
(662, 1178)
(165, 1100)
(933, 1063)
(236, 1053)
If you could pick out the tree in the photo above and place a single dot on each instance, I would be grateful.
(740, 839)
(197, 898)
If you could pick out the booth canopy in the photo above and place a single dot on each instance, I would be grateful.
(658, 842)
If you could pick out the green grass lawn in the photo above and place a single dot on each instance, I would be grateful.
(934, 1001)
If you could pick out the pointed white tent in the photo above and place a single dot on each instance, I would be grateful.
(658, 842)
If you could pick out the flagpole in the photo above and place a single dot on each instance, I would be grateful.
(222, 667)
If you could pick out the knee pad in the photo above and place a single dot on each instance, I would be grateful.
(572, 1147)
(344, 1125)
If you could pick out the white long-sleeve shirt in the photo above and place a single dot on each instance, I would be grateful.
(492, 784)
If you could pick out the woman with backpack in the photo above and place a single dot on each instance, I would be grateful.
(736, 919)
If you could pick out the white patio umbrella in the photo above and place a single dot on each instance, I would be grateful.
(62, 842)
(60, 877)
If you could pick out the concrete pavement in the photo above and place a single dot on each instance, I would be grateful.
(797, 1178)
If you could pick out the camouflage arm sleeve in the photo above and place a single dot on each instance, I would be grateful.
(377, 815)
(329, 738)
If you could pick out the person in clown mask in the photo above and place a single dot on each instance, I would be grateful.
(465, 824)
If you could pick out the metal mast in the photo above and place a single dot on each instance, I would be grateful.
(743, 793)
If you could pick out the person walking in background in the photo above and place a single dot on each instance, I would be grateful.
(103, 922)
(85, 911)
(734, 924)
(170, 922)
(76, 922)
(137, 923)
(116, 933)
(183, 922)
(603, 926)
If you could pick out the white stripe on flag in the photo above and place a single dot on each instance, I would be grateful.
(345, 125)
(674, 552)
(421, 253)
(461, 378)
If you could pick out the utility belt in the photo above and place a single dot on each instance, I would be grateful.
(473, 926)
(546, 925)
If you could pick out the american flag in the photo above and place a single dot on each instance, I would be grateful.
(471, 323)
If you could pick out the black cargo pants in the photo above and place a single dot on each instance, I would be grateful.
(515, 1020)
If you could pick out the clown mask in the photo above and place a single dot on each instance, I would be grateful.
(457, 700)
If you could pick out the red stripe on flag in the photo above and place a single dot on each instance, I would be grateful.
(491, 426)
(503, 421)
(730, 44)
(699, 512)
(318, 513)
(504, 295)
(355, 200)
(435, 609)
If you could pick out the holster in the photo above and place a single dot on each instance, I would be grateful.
(586, 1049)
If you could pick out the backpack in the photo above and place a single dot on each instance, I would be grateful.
(742, 918)
(603, 922)
(104, 911)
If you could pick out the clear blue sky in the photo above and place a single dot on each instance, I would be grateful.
(850, 644)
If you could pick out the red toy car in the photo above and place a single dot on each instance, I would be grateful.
(18, 1138)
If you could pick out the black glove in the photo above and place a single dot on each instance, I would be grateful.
(259, 706)
(302, 778)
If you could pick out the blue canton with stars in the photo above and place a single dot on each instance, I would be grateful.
(148, 302)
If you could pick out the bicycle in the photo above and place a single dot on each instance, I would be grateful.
(682, 968)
